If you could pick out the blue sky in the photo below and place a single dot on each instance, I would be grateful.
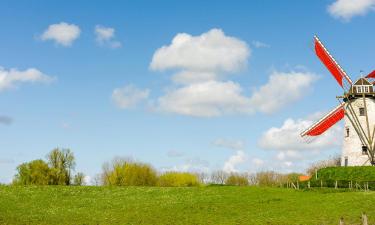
(96, 78)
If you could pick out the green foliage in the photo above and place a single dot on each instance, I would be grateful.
(352, 173)
(197, 205)
(178, 179)
(237, 179)
(56, 172)
(61, 162)
(126, 173)
(35, 172)
(78, 179)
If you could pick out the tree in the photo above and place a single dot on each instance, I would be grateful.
(219, 177)
(79, 179)
(35, 172)
(237, 179)
(331, 162)
(62, 163)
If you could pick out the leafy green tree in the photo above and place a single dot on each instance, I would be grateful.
(35, 172)
(78, 179)
(61, 162)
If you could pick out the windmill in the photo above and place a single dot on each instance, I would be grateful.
(357, 108)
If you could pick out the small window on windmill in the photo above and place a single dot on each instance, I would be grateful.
(364, 150)
(366, 89)
(347, 132)
(359, 89)
(361, 111)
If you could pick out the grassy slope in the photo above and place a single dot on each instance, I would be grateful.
(205, 205)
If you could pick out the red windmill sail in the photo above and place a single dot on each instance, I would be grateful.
(338, 73)
(326, 122)
(371, 75)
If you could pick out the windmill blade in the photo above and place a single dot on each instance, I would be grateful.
(327, 59)
(326, 122)
(371, 75)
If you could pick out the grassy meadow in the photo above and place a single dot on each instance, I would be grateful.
(193, 205)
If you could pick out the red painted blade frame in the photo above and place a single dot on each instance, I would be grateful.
(323, 54)
(371, 75)
(326, 122)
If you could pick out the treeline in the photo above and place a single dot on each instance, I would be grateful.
(60, 164)
(57, 170)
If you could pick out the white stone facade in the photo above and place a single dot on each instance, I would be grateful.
(352, 148)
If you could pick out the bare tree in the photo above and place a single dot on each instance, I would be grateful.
(219, 177)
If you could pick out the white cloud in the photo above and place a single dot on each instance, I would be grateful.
(231, 164)
(62, 33)
(12, 77)
(257, 162)
(105, 36)
(346, 9)
(87, 180)
(212, 51)
(129, 96)
(200, 65)
(216, 98)
(206, 99)
(282, 89)
(259, 44)
(195, 165)
(287, 139)
(229, 143)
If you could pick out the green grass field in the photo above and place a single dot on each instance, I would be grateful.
(202, 205)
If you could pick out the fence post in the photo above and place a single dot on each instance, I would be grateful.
(297, 184)
(336, 184)
(364, 219)
(308, 184)
(321, 183)
(342, 221)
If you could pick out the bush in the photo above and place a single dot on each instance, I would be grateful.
(178, 179)
(123, 172)
(352, 173)
(237, 179)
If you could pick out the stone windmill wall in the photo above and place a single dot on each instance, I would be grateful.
(352, 152)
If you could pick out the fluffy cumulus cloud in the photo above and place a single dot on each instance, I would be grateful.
(281, 90)
(129, 96)
(206, 99)
(212, 51)
(216, 98)
(201, 87)
(105, 36)
(229, 143)
(234, 161)
(346, 9)
(62, 33)
(13, 77)
(6, 120)
(288, 142)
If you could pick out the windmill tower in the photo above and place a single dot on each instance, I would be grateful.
(356, 107)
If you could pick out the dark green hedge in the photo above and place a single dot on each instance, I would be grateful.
(353, 173)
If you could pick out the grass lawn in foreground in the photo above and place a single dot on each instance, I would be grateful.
(201, 205)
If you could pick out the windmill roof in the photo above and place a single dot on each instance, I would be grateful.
(362, 81)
